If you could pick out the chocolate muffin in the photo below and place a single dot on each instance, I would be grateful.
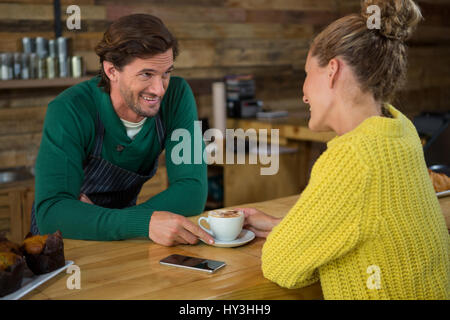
(12, 266)
(9, 246)
(45, 253)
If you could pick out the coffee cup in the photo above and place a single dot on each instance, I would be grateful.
(225, 225)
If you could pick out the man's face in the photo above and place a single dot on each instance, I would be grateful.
(143, 83)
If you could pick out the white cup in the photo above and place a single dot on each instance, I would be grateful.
(222, 226)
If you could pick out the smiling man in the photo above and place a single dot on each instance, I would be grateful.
(102, 139)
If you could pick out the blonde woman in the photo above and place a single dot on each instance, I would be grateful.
(368, 225)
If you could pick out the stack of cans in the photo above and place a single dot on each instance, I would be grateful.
(41, 59)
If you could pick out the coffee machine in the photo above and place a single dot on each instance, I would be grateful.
(240, 95)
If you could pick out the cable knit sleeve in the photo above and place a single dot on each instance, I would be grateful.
(323, 225)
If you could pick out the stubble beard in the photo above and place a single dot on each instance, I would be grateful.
(133, 103)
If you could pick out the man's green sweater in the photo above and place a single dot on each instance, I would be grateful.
(68, 140)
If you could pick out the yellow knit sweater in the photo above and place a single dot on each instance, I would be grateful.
(368, 225)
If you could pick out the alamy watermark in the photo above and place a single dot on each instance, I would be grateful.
(73, 281)
(374, 20)
(374, 280)
(189, 150)
(73, 22)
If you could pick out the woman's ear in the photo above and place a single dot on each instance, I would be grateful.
(110, 71)
(333, 69)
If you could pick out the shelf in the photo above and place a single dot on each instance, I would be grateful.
(41, 83)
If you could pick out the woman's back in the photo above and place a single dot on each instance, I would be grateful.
(405, 238)
(368, 224)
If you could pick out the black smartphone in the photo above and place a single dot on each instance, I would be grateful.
(194, 263)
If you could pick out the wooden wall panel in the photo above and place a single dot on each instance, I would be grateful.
(21, 120)
(202, 30)
(180, 13)
(284, 4)
(266, 38)
(38, 11)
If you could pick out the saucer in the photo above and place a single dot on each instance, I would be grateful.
(244, 237)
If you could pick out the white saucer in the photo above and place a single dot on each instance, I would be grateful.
(443, 194)
(244, 237)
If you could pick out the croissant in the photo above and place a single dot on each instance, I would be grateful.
(441, 182)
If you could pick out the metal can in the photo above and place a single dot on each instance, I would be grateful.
(52, 67)
(64, 66)
(33, 65)
(17, 65)
(62, 46)
(52, 48)
(25, 71)
(41, 47)
(7, 66)
(42, 68)
(69, 67)
(29, 45)
(3, 70)
(77, 66)
(63, 59)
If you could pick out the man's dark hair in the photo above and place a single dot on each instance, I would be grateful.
(130, 37)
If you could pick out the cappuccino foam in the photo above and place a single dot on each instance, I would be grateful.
(226, 214)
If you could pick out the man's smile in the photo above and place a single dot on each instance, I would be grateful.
(150, 100)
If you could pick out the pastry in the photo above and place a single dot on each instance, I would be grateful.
(441, 182)
(44, 253)
(12, 266)
(9, 246)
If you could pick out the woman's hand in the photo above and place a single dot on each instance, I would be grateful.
(258, 222)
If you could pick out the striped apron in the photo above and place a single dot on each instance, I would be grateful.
(108, 185)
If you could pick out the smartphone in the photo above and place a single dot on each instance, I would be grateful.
(194, 263)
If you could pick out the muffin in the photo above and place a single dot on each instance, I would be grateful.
(9, 246)
(44, 253)
(12, 266)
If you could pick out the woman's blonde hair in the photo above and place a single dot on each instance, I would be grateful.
(378, 57)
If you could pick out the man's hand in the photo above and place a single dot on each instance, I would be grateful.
(170, 229)
(259, 222)
(84, 198)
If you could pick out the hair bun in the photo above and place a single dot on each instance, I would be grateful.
(399, 18)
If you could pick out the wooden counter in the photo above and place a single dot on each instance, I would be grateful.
(131, 270)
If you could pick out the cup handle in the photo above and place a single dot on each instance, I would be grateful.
(200, 224)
